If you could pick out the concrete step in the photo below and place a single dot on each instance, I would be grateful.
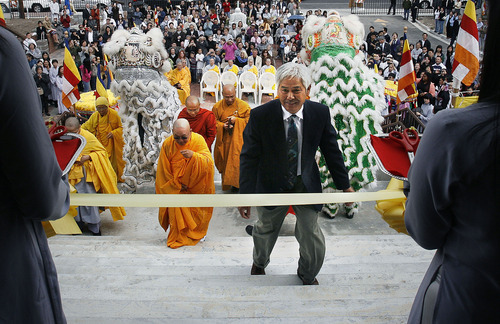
(112, 279)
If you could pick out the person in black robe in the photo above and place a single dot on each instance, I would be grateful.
(32, 190)
(453, 203)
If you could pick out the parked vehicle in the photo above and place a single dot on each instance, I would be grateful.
(32, 5)
(425, 4)
(5, 8)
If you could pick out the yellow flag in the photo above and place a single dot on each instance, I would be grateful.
(100, 89)
(2, 18)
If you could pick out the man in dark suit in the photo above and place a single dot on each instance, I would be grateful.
(278, 156)
(425, 41)
(383, 47)
(87, 12)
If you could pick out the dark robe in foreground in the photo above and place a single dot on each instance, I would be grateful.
(31, 190)
(454, 206)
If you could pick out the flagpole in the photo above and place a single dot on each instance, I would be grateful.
(455, 92)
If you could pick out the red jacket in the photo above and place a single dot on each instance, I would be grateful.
(226, 6)
(66, 22)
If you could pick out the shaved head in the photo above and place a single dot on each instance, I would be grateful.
(192, 106)
(72, 125)
(229, 93)
(181, 123)
(193, 100)
(181, 131)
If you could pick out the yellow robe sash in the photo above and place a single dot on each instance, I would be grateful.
(99, 171)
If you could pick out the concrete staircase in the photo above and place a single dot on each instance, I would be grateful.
(120, 279)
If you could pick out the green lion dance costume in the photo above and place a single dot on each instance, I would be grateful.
(354, 93)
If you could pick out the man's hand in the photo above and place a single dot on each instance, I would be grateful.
(244, 212)
(231, 119)
(349, 190)
(110, 135)
(187, 153)
(83, 159)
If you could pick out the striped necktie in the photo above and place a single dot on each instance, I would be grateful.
(293, 151)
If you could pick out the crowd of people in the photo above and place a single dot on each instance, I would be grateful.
(433, 65)
(255, 37)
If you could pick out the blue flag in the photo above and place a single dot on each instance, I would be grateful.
(66, 2)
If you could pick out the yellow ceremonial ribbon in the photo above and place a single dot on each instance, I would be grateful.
(230, 200)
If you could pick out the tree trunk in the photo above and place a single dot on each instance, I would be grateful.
(20, 8)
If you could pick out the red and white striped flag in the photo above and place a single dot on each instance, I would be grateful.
(406, 83)
(70, 94)
(466, 62)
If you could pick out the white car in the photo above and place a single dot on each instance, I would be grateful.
(33, 5)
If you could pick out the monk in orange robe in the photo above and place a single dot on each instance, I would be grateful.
(180, 78)
(202, 121)
(91, 173)
(106, 125)
(185, 166)
(231, 115)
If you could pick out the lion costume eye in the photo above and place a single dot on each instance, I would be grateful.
(310, 42)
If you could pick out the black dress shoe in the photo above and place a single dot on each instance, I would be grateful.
(257, 270)
(249, 229)
(305, 283)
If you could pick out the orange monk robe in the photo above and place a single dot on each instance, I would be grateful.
(99, 171)
(183, 77)
(101, 126)
(203, 123)
(228, 143)
(187, 224)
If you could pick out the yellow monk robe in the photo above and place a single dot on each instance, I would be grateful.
(216, 69)
(101, 126)
(255, 71)
(99, 171)
(235, 70)
(187, 224)
(228, 144)
(271, 69)
(183, 77)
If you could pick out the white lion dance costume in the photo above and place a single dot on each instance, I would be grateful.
(354, 93)
(148, 102)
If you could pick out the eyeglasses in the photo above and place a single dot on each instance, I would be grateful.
(180, 137)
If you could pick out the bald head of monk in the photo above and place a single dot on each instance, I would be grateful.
(192, 106)
(181, 131)
(229, 94)
(72, 125)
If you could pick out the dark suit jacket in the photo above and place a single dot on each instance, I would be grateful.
(263, 159)
(86, 13)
